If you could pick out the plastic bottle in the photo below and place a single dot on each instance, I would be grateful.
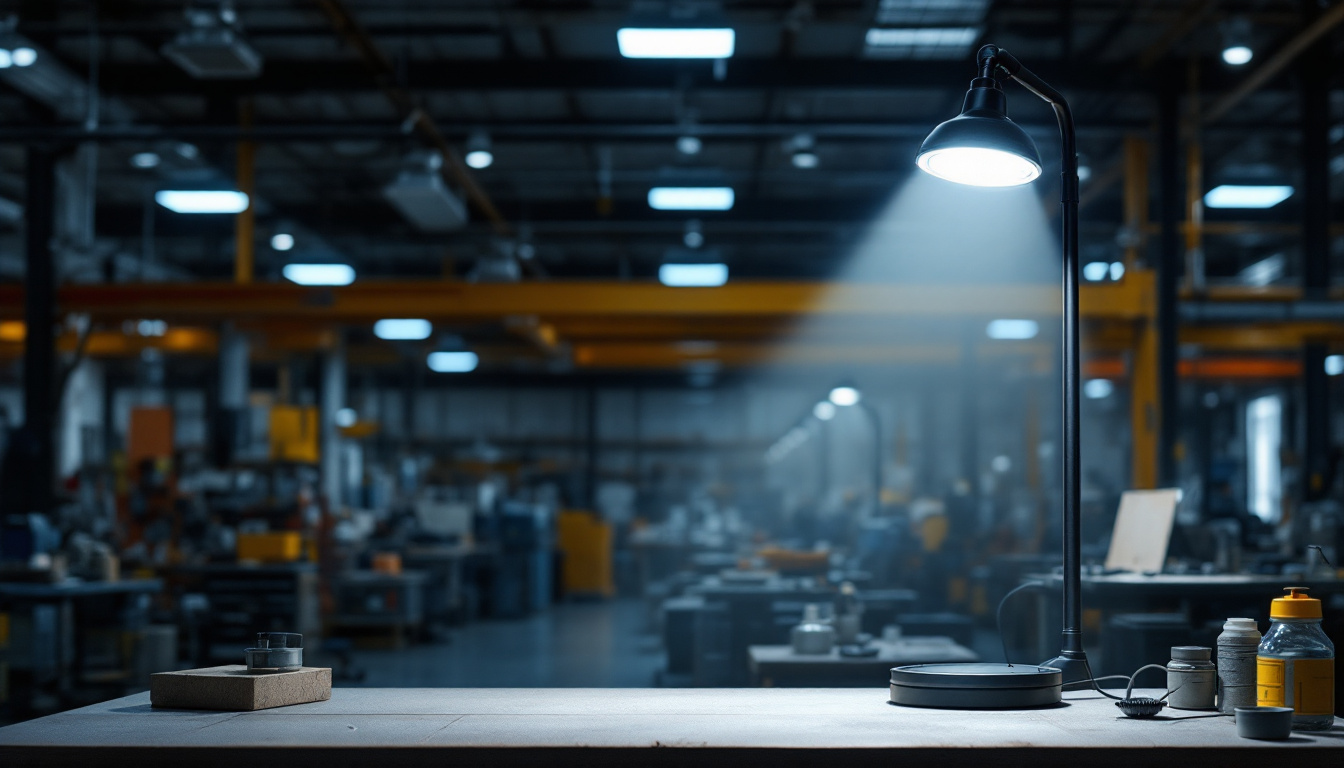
(1295, 664)
(1236, 664)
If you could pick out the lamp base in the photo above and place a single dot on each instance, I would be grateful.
(1074, 666)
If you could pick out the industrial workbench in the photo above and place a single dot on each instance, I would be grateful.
(638, 727)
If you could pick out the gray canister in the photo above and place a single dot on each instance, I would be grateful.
(1236, 664)
(1191, 677)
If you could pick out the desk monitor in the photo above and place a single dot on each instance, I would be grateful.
(1142, 530)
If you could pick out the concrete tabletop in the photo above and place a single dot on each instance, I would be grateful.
(640, 727)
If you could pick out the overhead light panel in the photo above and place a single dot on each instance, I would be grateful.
(1012, 329)
(691, 198)
(282, 241)
(693, 275)
(346, 417)
(145, 160)
(319, 274)
(919, 42)
(824, 410)
(202, 200)
(212, 46)
(453, 362)
(1098, 389)
(662, 43)
(1334, 365)
(845, 396)
(1247, 196)
(689, 145)
(1096, 271)
(1237, 55)
(422, 198)
(929, 13)
(403, 329)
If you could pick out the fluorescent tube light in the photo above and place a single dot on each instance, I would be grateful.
(646, 43)
(145, 159)
(691, 198)
(320, 274)
(845, 396)
(453, 362)
(693, 275)
(1098, 389)
(403, 329)
(1334, 365)
(1247, 196)
(202, 200)
(824, 410)
(1117, 270)
(282, 241)
(24, 57)
(1096, 271)
(1012, 329)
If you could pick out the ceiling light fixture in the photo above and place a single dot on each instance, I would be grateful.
(824, 410)
(651, 43)
(693, 275)
(145, 160)
(346, 417)
(403, 329)
(24, 56)
(1012, 329)
(1237, 55)
(1334, 365)
(319, 274)
(202, 200)
(691, 198)
(282, 241)
(1096, 271)
(479, 151)
(845, 396)
(1247, 195)
(983, 147)
(453, 362)
(689, 145)
(1098, 389)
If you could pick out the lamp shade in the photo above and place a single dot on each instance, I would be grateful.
(981, 146)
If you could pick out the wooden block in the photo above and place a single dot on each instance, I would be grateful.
(233, 689)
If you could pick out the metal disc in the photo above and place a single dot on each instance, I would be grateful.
(976, 686)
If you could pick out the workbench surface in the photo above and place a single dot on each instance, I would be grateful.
(637, 727)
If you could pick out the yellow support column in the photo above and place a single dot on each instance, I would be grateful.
(1145, 395)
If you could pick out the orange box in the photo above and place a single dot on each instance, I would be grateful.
(272, 547)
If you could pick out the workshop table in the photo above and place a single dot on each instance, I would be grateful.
(1200, 598)
(410, 727)
(72, 602)
(779, 666)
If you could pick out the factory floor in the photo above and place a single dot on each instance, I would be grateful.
(606, 644)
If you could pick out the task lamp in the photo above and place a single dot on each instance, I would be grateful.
(982, 147)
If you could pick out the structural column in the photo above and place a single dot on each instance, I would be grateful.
(1313, 79)
(37, 446)
(333, 400)
(1168, 273)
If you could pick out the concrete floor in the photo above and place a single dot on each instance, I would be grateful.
(574, 645)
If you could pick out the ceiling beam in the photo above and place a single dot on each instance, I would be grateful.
(452, 300)
(289, 76)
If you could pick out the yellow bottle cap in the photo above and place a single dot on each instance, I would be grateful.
(1295, 605)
